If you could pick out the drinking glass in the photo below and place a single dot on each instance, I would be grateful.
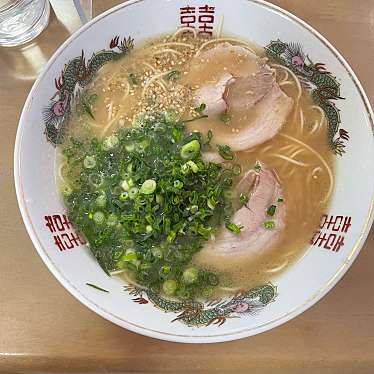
(22, 20)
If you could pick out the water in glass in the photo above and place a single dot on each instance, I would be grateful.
(22, 20)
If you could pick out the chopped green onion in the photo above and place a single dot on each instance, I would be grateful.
(185, 169)
(133, 192)
(136, 263)
(89, 162)
(280, 200)
(189, 165)
(169, 287)
(111, 220)
(166, 225)
(123, 196)
(159, 199)
(171, 236)
(257, 168)
(99, 218)
(130, 147)
(225, 152)
(97, 287)
(190, 275)
(87, 107)
(200, 109)
(165, 269)
(211, 203)
(95, 180)
(171, 117)
(192, 166)
(125, 185)
(204, 231)
(243, 198)
(207, 292)
(129, 256)
(65, 189)
(228, 181)
(110, 142)
(178, 184)
(92, 98)
(271, 210)
(176, 200)
(148, 187)
(140, 122)
(149, 219)
(157, 252)
(233, 228)
(145, 266)
(195, 119)
(190, 150)
(194, 197)
(194, 209)
(133, 79)
(269, 225)
(143, 145)
(173, 75)
(236, 169)
(225, 118)
(209, 136)
(212, 279)
(177, 135)
(101, 200)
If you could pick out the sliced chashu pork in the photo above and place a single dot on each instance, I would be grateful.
(245, 92)
(239, 62)
(209, 67)
(212, 95)
(247, 89)
(264, 190)
(263, 121)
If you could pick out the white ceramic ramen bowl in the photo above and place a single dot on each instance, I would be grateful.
(333, 248)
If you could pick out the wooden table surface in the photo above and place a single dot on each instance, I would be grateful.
(44, 329)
